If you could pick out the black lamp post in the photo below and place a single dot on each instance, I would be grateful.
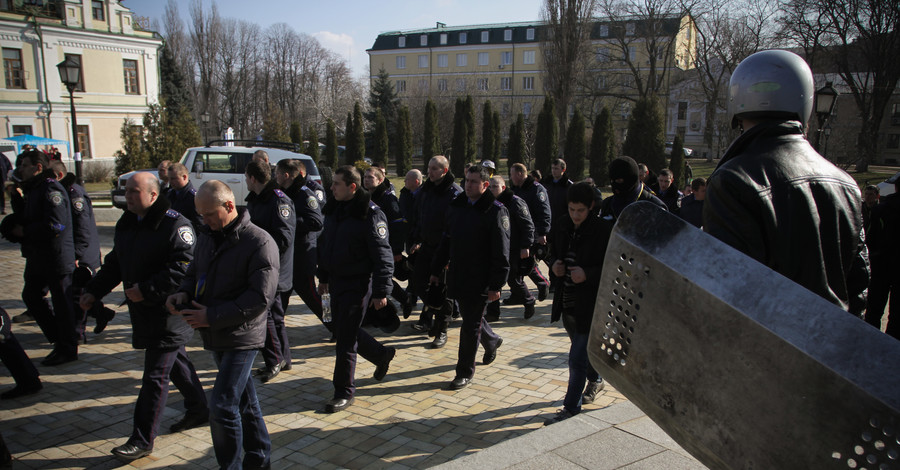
(70, 75)
(826, 97)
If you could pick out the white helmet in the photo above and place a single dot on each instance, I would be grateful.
(773, 83)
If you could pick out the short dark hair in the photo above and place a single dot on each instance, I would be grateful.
(349, 175)
(35, 157)
(666, 172)
(560, 162)
(581, 193)
(289, 166)
(482, 172)
(259, 170)
(697, 182)
(58, 166)
(874, 188)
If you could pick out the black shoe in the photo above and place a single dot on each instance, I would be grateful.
(21, 391)
(513, 301)
(130, 451)
(338, 404)
(423, 327)
(491, 354)
(103, 317)
(58, 359)
(492, 317)
(439, 341)
(591, 391)
(270, 373)
(23, 317)
(542, 292)
(408, 307)
(529, 310)
(460, 383)
(382, 368)
(190, 421)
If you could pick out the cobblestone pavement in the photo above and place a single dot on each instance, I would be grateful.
(409, 420)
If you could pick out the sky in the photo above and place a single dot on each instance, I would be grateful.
(349, 27)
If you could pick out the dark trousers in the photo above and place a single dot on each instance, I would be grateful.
(580, 368)
(305, 286)
(517, 287)
(882, 286)
(236, 421)
(346, 307)
(277, 349)
(474, 330)
(537, 277)
(60, 326)
(20, 367)
(160, 366)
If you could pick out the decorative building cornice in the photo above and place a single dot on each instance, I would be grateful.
(100, 47)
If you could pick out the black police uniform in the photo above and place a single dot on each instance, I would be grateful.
(153, 253)
(535, 195)
(16, 361)
(557, 191)
(355, 261)
(521, 236)
(49, 250)
(273, 211)
(182, 200)
(317, 189)
(476, 244)
(308, 209)
(430, 212)
(398, 227)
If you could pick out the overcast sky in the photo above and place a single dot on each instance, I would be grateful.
(349, 27)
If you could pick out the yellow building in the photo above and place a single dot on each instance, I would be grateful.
(120, 77)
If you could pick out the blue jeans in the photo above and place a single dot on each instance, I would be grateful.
(579, 367)
(235, 418)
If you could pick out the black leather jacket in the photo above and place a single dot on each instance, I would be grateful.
(775, 199)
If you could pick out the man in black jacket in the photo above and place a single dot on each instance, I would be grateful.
(152, 248)
(538, 202)
(627, 188)
(521, 237)
(273, 211)
(774, 198)
(355, 266)
(383, 195)
(557, 185)
(476, 245)
(225, 294)
(667, 192)
(181, 193)
(883, 239)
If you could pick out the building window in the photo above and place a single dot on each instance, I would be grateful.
(423, 85)
(507, 35)
(505, 110)
(401, 86)
(485, 36)
(401, 41)
(604, 30)
(12, 68)
(77, 59)
(463, 37)
(131, 77)
(526, 109)
(632, 53)
(97, 10)
(442, 60)
(482, 84)
(601, 83)
(506, 58)
(529, 34)
(423, 40)
(484, 58)
(627, 80)
(22, 130)
(461, 60)
(528, 57)
(682, 110)
(423, 61)
(893, 141)
(629, 29)
(460, 84)
(84, 141)
(505, 83)
(401, 61)
(602, 55)
(528, 83)
(443, 38)
(442, 84)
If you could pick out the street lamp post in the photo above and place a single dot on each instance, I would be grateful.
(70, 75)
(825, 99)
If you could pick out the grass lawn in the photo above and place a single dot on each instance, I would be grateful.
(101, 186)
(875, 175)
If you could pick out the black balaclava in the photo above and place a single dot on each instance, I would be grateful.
(627, 169)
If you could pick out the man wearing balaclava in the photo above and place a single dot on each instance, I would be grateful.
(627, 188)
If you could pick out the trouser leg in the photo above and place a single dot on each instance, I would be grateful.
(153, 394)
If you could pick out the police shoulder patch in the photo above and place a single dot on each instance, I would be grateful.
(284, 210)
(504, 222)
(55, 197)
(186, 233)
(381, 229)
(172, 213)
(542, 196)
(78, 204)
(320, 195)
(312, 202)
(193, 191)
(279, 193)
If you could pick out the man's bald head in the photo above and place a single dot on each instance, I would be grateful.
(215, 204)
(217, 192)
(141, 192)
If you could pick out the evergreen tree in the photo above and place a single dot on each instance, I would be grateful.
(646, 141)
(431, 138)
(515, 148)
(460, 140)
(133, 155)
(471, 139)
(380, 152)
(275, 126)
(296, 132)
(487, 132)
(166, 135)
(404, 142)
(603, 144)
(495, 153)
(312, 148)
(676, 164)
(359, 131)
(575, 148)
(383, 96)
(546, 140)
(331, 145)
(351, 152)
(173, 87)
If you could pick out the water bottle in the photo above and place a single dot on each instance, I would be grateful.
(326, 308)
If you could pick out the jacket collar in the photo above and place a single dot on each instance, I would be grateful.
(766, 129)
(481, 205)
(266, 194)
(357, 207)
(296, 186)
(381, 189)
(505, 197)
(35, 180)
(441, 186)
(68, 180)
(152, 219)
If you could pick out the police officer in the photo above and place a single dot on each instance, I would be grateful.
(382, 195)
(427, 232)
(406, 200)
(152, 248)
(49, 249)
(181, 193)
(557, 184)
(23, 372)
(476, 245)
(355, 265)
(273, 211)
(535, 195)
(521, 237)
(774, 198)
(290, 177)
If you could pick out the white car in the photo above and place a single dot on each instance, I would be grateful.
(886, 187)
(687, 152)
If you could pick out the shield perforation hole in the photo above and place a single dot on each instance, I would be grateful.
(630, 260)
(851, 463)
(621, 269)
(623, 256)
(646, 270)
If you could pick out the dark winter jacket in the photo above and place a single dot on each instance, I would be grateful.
(557, 192)
(521, 228)
(692, 211)
(613, 205)
(47, 225)
(84, 227)
(384, 197)
(182, 201)
(273, 211)
(430, 212)
(775, 199)
(671, 198)
(538, 204)
(309, 223)
(152, 253)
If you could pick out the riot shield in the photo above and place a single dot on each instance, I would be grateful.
(738, 364)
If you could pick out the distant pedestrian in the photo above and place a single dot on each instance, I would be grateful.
(181, 193)
(535, 195)
(692, 206)
(883, 239)
(667, 191)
